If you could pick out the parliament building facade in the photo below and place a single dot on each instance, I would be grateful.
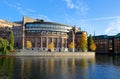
(41, 33)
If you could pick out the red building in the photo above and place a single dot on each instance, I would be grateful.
(107, 44)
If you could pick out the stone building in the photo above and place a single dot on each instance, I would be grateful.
(41, 33)
(117, 43)
(74, 36)
(107, 44)
(5, 28)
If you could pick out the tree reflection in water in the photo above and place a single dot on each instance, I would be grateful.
(45, 68)
(6, 67)
(100, 67)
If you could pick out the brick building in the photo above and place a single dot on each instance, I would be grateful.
(107, 44)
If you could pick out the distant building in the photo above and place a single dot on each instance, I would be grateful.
(117, 43)
(107, 44)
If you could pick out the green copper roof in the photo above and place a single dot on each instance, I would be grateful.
(118, 35)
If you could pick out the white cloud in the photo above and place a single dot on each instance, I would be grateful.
(101, 18)
(79, 6)
(19, 8)
(114, 27)
(70, 4)
(26, 11)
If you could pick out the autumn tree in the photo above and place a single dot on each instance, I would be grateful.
(71, 46)
(51, 46)
(91, 44)
(83, 42)
(84, 63)
(93, 47)
(28, 44)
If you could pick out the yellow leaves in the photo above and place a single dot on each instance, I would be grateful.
(84, 63)
(93, 46)
(28, 44)
(51, 46)
(71, 45)
(83, 41)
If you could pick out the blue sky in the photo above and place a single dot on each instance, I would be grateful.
(101, 16)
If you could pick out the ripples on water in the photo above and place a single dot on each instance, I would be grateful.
(101, 67)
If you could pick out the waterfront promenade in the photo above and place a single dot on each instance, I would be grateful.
(53, 54)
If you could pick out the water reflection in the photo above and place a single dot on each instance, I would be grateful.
(45, 68)
(108, 67)
(6, 68)
(107, 60)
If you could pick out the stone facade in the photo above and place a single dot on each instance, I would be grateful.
(41, 33)
(107, 44)
(74, 36)
(5, 28)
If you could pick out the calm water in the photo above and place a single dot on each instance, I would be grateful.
(101, 67)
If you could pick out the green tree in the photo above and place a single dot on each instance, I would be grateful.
(1, 45)
(83, 41)
(4, 44)
(91, 44)
(11, 40)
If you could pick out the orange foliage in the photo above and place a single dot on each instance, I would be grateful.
(71, 45)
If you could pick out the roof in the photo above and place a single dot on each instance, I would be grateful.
(118, 35)
(101, 36)
(52, 23)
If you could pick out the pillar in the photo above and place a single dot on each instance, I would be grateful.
(73, 39)
(66, 42)
(47, 42)
(40, 42)
(61, 42)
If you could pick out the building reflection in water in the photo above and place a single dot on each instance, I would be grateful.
(49, 68)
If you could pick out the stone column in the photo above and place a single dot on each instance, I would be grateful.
(47, 42)
(57, 42)
(61, 42)
(23, 38)
(40, 42)
(73, 39)
(66, 42)
(52, 39)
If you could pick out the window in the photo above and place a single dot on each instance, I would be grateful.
(110, 41)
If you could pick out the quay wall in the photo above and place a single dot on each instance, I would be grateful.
(55, 54)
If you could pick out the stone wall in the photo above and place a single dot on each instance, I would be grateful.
(55, 54)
